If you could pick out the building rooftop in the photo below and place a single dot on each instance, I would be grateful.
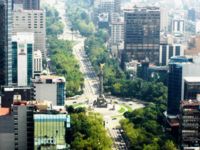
(179, 59)
(23, 37)
(4, 111)
(143, 9)
(192, 79)
(190, 103)
(43, 78)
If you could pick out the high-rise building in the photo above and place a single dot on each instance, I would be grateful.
(179, 69)
(5, 42)
(6, 130)
(37, 62)
(51, 88)
(117, 31)
(22, 58)
(23, 125)
(31, 4)
(117, 5)
(189, 125)
(164, 20)
(169, 50)
(142, 34)
(32, 21)
(106, 6)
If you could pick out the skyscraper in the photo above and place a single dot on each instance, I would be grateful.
(23, 125)
(22, 58)
(32, 21)
(142, 34)
(31, 4)
(179, 69)
(5, 42)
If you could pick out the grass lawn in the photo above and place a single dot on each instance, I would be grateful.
(78, 105)
(122, 110)
(127, 107)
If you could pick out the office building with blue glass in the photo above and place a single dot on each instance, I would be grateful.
(179, 69)
(5, 42)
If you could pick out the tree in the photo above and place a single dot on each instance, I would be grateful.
(169, 145)
(87, 132)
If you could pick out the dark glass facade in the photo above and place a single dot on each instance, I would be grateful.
(29, 62)
(191, 89)
(61, 94)
(178, 51)
(5, 42)
(170, 51)
(164, 54)
(14, 62)
(142, 34)
(2, 41)
(31, 4)
(174, 88)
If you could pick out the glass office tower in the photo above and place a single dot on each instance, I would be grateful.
(142, 34)
(5, 42)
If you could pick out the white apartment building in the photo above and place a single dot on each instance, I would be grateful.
(117, 31)
(31, 21)
(22, 58)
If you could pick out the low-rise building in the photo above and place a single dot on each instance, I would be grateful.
(51, 88)
(189, 124)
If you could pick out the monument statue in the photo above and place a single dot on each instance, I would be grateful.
(101, 101)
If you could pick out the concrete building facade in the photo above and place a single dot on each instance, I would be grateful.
(117, 31)
(32, 21)
(189, 124)
(23, 126)
(51, 88)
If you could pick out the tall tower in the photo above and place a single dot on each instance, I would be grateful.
(22, 65)
(179, 68)
(142, 34)
(5, 42)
